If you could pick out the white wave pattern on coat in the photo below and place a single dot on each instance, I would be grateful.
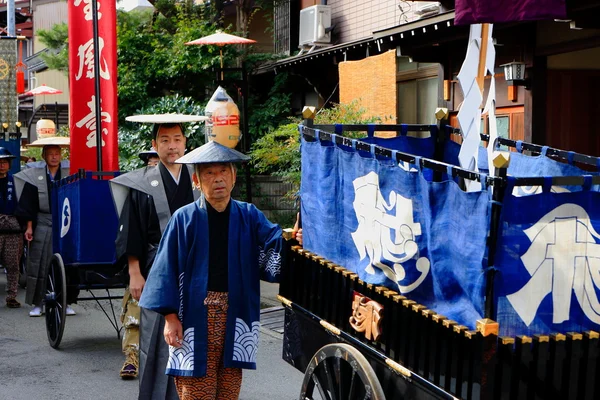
(270, 261)
(245, 342)
(182, 358)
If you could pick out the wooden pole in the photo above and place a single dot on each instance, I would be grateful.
(481, 71)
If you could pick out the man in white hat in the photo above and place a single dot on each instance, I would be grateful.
(146, 198)
(34, 186)
(206, 280)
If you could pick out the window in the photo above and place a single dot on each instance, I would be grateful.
(418, 88)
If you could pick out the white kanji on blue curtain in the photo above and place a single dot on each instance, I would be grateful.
(549, 263)
(390, 225)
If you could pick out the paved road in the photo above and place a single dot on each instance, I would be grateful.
(87, 363)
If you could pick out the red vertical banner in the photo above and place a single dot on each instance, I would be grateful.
(82, 102)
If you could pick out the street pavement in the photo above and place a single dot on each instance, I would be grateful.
(87, 363)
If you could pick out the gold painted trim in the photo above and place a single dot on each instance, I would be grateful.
(408, 303)
(592, 335)
(398, 298)
(558, 337)
(470, 334)
(507, 340)
(487, 327)
(428, 313)
(439, 318)
(575, 335)
(459, 328)
(331, 328)
(541, 338)
(398, 368)
(390, 294)
(380, 289)
(353, 276)
(418, 308)
(296, 248)
(288, 233)
(448, 323)
(525, 339)
(284, 301)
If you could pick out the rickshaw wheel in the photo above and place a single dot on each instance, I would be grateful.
(56, 300)
(339, 371)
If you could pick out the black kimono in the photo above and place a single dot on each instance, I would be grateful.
(146, 198)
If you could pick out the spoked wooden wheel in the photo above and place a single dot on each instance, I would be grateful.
(339, 371)
(56, 300)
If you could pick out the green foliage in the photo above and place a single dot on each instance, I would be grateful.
(135, 138)
(278, 151)
(56, 39)
(270, 111)
(153, 60)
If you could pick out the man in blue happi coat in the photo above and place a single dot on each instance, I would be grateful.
(206, 280)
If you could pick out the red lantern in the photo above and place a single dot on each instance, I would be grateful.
(20, 82)
(20, 67)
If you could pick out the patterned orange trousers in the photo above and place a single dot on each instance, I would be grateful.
(220, 383)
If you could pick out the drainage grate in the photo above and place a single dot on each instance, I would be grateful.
(272, 318)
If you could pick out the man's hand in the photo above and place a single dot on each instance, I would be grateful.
(29, 234)
(297, 230)
(136, 285)
(173, 330)
(136, 279)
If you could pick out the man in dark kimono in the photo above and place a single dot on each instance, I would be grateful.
(146, 198)
(11, 234)
(33, 189)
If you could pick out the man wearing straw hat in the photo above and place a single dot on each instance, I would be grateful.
(206, 280)
(149, 157)
(11, 239)
(33, 188)
(145, 199)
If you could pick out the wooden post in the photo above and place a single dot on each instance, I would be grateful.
(481, 72)
(513, 93)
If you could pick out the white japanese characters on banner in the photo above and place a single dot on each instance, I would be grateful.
(83, 118)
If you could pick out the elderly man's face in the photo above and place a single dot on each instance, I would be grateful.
(52, 156)
(169, 144)
(215, 180)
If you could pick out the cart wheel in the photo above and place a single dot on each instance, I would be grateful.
(23, 269)
(339, 371)
(56, 300)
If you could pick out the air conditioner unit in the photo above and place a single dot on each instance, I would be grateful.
(313, 23)
(428, 8)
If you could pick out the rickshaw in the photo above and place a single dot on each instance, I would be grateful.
(372, 309)
(84, 229)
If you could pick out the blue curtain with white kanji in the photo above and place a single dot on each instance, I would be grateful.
(548, 262)
(391, 226)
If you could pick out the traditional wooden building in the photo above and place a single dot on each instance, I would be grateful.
(556, 104)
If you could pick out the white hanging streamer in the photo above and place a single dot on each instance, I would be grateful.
(469, 116)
